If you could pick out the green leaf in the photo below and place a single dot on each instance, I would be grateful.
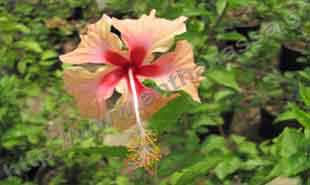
(10, 144)
(240, 3)
(22, 28)
(260, 177)
(22, 66)
(49, 54)
(231, 36)
(177, 159)
(291, 166)
(290, 142)
(211, 54)
(122, 180)
(33, 90)
(199, 169)
(224, 77)
(10, 26)
(17, 135)
(304, 94)
(295, 113)
(175, 177)
(287, 115)
(107, 151)
(216, 144)
(191, 12)
(291, 152)
(252, 164)
(30, 45)
(168, 116)
(207, 120)
(244, 146)
(227, 167)
(307, 133)
(220, 6)
(12, 181)
(305, 74)
(206, 107)
(223, 95)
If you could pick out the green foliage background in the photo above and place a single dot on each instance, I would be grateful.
(44, 141)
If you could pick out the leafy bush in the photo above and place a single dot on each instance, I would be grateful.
(252, 126)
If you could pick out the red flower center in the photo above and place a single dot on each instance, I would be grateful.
(135, 61)
(123, 65)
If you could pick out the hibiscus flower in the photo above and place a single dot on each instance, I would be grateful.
(125, 63)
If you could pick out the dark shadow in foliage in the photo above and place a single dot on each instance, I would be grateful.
(288, 59)
(211, 130)
(269, 130)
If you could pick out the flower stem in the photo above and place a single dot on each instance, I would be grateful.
(135, 102)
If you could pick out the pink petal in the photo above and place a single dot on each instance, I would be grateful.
(109, 81)
(148, 34)
(94, 44)
(176, 70)
(162, 66)
(90, 90)
(123, 117)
